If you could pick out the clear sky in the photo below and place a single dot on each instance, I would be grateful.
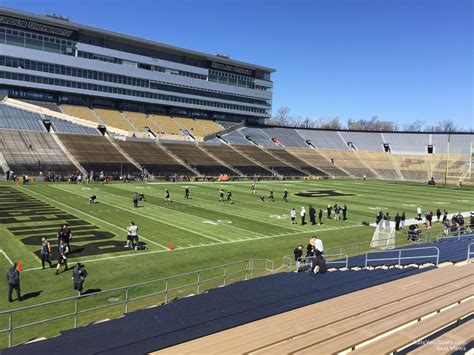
(400, 60)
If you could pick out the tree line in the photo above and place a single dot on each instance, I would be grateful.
(283, 118)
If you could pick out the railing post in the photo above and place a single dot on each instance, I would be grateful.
(76, 311)
(225, 275)
(166, 292)
(10, 329)
(247, 267)
(126, 301)
(198, 288)
(251, 269)
(400, 257)
(366, 257)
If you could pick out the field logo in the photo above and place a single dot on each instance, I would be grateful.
(321, 193)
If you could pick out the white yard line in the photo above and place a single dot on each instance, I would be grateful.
(149, 217)
(91, 216)
(6, 256)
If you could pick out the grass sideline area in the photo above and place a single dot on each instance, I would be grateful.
(204, 232)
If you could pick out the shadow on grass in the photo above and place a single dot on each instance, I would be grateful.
(31, 295)
(91, 291)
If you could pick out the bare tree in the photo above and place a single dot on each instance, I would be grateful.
(446, 126)
(282, 117)
(415, 126)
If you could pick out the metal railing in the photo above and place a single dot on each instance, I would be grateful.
(399, 255)
(164, 289)
(470, 253)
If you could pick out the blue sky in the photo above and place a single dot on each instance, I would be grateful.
(400, 60)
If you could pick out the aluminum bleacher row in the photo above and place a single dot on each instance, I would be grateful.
(305, 313)
(250, 150)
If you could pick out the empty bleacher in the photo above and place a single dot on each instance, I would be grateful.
(62, 126)
(369, 141)
(268, 160)
(141, 121)
(323, 139)
(196, 158)
(258, 136)
(235, 137)
(29, 152)
(348, 161)
(284, 155)
(210, 126)
(363, 319)
(113, 118)
(314, 158)
(16, 119)
(287, 137)
(167, 124)
(81, 112)
(46, 104)
(233, 158)
(407, 143)
(413, 167)
(153, 158)
(192, 126)
(380, 162)
(96, 153)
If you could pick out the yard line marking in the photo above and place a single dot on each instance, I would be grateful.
(195, 246)
(149, 217)
(91, 216)
(6, 256)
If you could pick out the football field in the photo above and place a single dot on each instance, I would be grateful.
(202, 230)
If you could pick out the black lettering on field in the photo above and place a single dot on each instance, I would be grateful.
(17, 207)
(321, 193)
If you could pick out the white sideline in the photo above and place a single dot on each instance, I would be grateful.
(91, 216)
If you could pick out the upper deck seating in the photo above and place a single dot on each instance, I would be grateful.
(29, 152)
(167, 124)
(81, 112)
(154, 159)
(46, 104)
(14, 118)
(235, 159)
(96, 153)
(210, 126)
(196, 158)
(141, 121)
(113, 118)
(192, 126)
(288, 137)
(258, 136)
(235, 137)
(62, 126)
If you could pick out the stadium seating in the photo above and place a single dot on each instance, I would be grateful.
(287, 137)
(14, 118)
(153, 158)
(350, 320)
(364, 140)
(295, 161)
(235, 137)
(192, 126)
(314, 158)
(458, 143)
(412, 167)
(167, 124)
(258, 136)
(233, 158)
(96, 153)
(196, 158)
(323, 139)
(140, 121)
(210, 126)
(348, 161)
(62, 126)
(380, 162)
(29, 152)
(81, 112)
(268, 160)
(407, 143)
(113, 118)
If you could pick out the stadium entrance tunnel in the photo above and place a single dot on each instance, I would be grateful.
(321, 193)
(29, 219)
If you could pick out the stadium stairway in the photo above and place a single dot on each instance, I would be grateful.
(216, 310)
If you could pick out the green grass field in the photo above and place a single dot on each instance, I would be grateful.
(204, 231)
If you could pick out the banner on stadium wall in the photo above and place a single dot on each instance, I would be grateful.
(37, 27)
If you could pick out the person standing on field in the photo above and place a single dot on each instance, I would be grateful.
(79, 275)
(45, 251)
(13, 279)
(303, 216)
(293, 216)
